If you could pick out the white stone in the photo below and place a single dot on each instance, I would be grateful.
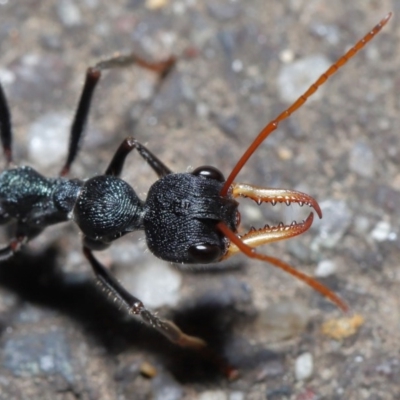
(237, 396)
(213, 395)
(381, 232)
(304, 366)
(48, 140)
(325, 268)
(69, 13)
(156, 283)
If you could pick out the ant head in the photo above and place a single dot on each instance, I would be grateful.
(181, 213)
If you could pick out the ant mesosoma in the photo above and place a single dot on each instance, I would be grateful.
(187, 217)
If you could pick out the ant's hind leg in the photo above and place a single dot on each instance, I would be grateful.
(117, 162)
(5, 127)
(23, 235)
(13, 247)
(135, 306)
(93, 75)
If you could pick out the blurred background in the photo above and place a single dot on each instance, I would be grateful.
(239, 65)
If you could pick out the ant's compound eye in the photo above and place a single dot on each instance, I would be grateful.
(205, 253)
(209, 172)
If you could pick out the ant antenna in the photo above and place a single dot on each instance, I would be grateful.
(300, 101)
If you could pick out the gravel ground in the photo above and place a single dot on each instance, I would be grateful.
(239, 65)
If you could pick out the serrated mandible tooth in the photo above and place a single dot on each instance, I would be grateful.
(287, 202)
(273, 202)
(301, 204)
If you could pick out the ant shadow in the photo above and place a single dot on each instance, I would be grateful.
(36, 279)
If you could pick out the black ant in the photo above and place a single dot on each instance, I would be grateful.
(187, 217)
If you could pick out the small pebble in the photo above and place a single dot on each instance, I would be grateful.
(48, 140)
(382, 231)
(155, 283)
(285, 153)
(304, 366)
(69, 13)
(7, 77)
(336, 221)
(148, 370)
(286, 56)
(237, 66)
(325, 268)
(329, 32)
(213, 395)
(237, 396)
(165, 387)
(156, 4)
(341, 328)
(361, 225)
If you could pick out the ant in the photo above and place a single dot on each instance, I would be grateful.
(187, 217)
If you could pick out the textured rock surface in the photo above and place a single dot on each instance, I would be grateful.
(62, 338)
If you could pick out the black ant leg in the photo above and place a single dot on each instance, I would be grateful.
(135, 306)
(117, 162)
(93, 75)
(5, 126)
(23, 234)
(14, 246)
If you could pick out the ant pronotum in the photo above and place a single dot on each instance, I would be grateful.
(187, 217)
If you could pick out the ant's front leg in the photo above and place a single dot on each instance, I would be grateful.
(135, 306)
(117, 162)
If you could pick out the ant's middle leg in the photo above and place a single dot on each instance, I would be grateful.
(135, 306)
(93, 75)
(117, 163)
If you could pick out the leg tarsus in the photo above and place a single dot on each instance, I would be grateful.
(124, 60)
(117, 162)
